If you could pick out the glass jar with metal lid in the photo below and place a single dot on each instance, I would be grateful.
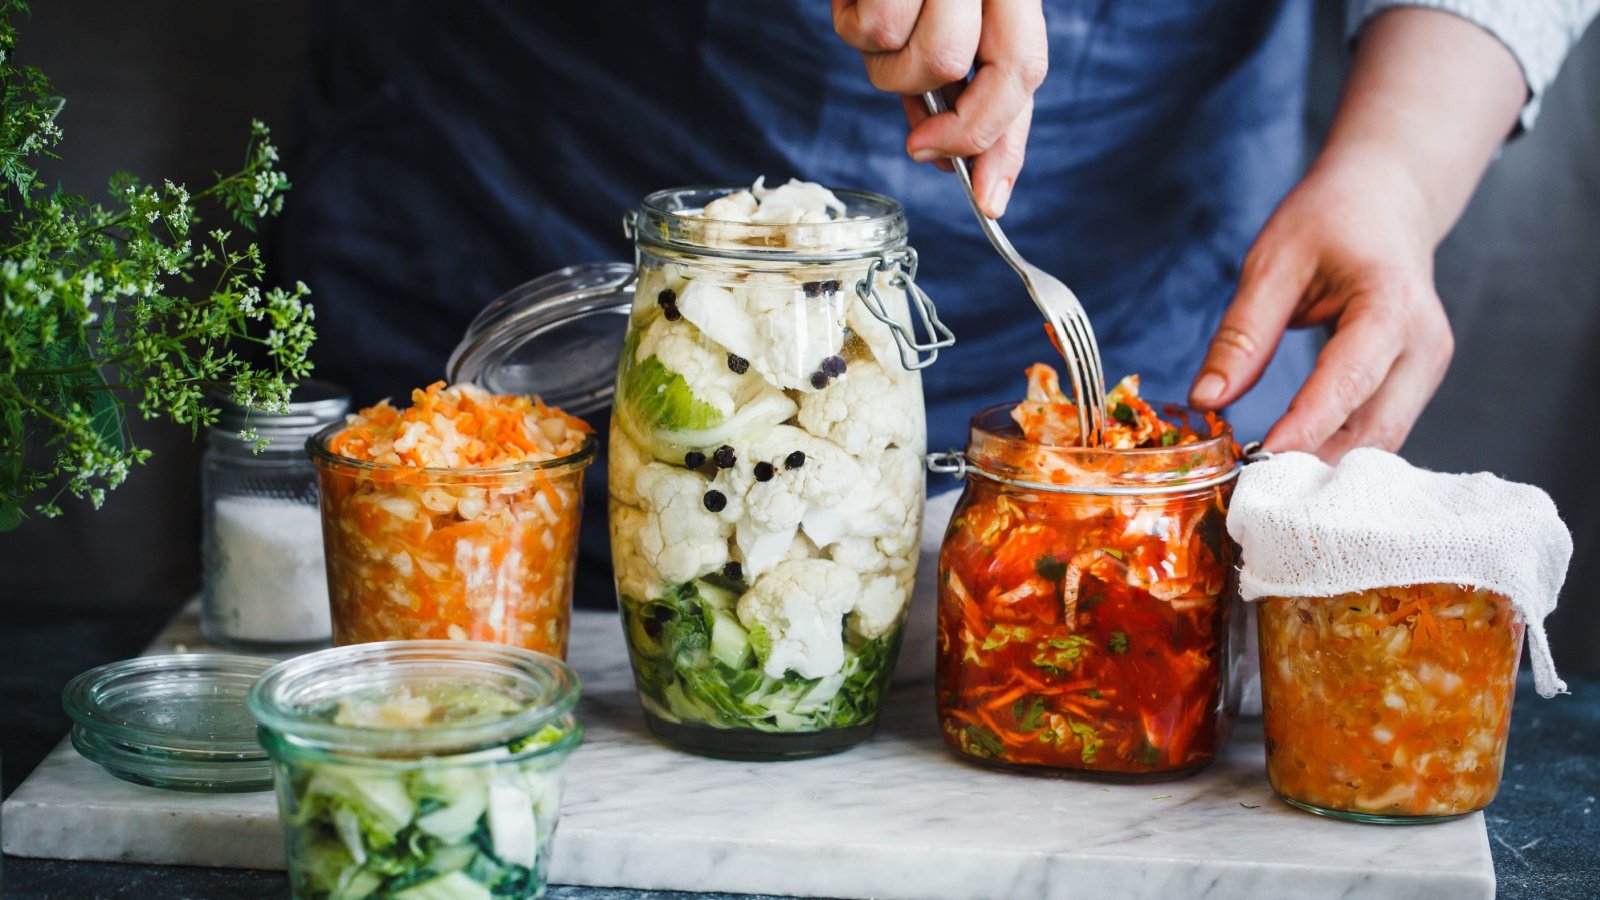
(265, 587)
(765, 454)
(1086, 596)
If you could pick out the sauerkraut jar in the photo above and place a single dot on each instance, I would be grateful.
(1085, 593)
(454, 518)
(1389, 705)
(766, 464)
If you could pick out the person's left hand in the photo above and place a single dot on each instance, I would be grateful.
(1349, 247)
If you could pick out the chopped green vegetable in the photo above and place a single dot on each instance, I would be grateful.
(1050, 568)
(1029, 712)
(1148, 754)
(1168, 439)
(662, 399)
(1114, 553)
(695, 662)
(1118, 642)
(1122, 412)
(984, 742)
(1088, 737)
(1002, 635)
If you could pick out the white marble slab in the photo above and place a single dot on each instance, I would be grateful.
(898, 817)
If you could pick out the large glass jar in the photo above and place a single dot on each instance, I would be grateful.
(418, 768)
(766, 472)
(1389, 705)
(265, 587)
(1084, 604)
(479, 554)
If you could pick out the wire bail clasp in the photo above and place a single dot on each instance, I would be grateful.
(902, 263)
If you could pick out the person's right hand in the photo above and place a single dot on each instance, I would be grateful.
(914, 46)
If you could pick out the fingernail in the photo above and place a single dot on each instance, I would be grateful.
(926, 154)
(999, 196)
(1208, 388)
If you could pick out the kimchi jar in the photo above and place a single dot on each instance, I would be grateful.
(1389, 705)
(1084, 602)
(454, 519)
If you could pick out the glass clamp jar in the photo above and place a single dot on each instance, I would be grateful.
(265, 585)
(765, 456)
(418, 768)
(1086, 596)
(1390, 705)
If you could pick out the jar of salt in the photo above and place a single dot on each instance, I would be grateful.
(265, 585)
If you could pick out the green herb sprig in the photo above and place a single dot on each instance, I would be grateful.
(122, 306)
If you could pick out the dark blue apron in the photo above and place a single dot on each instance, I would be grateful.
(446, 152)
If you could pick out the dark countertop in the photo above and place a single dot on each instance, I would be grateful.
(1544, 829)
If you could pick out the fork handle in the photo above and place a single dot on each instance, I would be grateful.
(935, 104)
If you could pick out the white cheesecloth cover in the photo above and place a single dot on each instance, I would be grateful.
(1308, 529)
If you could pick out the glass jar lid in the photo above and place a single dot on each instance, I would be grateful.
(416, 698)
(176, 721)
(557, 336)
(312, 405)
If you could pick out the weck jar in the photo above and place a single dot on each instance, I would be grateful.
(1086, 596)
(418, 768)
(766, 464)
(1389, 705)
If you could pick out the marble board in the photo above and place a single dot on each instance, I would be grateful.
(897, 817)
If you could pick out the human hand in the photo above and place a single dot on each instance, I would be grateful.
(914, 46)
(1351, 247)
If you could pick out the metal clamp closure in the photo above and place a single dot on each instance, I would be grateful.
(903, 263)
(955, 464)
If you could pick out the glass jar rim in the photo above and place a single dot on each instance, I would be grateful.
(291, 699)
(993, 437)
(317, 449)
(665, 219)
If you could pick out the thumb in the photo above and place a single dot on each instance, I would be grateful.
(1271, 283)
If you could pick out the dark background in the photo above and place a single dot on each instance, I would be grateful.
(166, 88)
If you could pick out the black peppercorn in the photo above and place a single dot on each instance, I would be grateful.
(694, 459)
(715, 501)
(733, 570)
(765, 471)
(831, 287)
(724, 457)
(820, 379)
(738, 364)
(666, 298)
(795, 460)
(671, 312)
(833, 366)
(812, 288)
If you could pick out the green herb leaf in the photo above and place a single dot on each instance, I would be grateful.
(1168, 439)
(1029, 712)
(1122, 412)
(1148, 754)
(1118, 642)
(984, 742)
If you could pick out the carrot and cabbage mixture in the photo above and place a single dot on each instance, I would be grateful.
(448, 519)
(1389, 703)
(1087, 631)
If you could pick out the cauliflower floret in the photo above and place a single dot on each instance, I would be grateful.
(902, 477)
(770, 322)
(878, 610)
(680, 537)
(738, 206)
(801, 606)
(865, 411)
(680, 348)
(636, 577)
(795, 202)
(625, 459)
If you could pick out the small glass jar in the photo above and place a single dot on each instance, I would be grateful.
(265, 585)
(433, 767)
(766, 472)
(1085, 602)
(1389, 705)
(482, 554)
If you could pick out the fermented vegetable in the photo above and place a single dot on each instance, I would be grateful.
(1084, 630)
(1389, 703)
(454, 518)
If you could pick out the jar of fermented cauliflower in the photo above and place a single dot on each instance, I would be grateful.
(765, 452)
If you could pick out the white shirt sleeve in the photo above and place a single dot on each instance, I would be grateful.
(1537, 32)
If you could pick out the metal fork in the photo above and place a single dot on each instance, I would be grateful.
(1066, 316)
